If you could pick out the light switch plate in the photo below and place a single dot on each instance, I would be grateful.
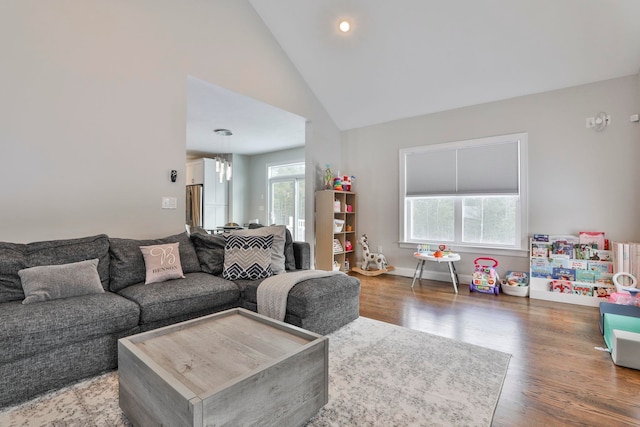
(169, 203)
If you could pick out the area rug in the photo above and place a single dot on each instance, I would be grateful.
(379, 375)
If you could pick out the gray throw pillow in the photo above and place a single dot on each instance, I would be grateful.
(277, 249)
(49, 282)
(210, 251)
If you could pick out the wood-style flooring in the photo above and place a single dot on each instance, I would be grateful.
(555, 375)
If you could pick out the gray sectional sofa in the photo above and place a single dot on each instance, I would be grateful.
(48, 344)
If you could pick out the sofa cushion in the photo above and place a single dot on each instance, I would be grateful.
(194, 293)
(15, 257)
(127, 262)
(12, 260)
(162, 262)
(210, 251)
(309, 296)
(36, 328)
(289, 255)
(277, 249)
(49, 282)
(247, 257)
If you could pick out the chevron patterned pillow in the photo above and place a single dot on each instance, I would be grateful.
(247, 257)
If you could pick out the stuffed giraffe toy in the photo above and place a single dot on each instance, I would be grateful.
(369, 257)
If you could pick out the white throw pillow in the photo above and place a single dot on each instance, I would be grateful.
(162, 262)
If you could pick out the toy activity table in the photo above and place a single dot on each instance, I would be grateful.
(449, 259)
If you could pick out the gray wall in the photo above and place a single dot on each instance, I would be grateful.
(579, 179)
(93, 107)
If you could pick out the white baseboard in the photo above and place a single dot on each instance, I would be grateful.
(442, 276)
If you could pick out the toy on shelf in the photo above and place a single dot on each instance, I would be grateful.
(485, 278)
(369, 257)
(328, 177)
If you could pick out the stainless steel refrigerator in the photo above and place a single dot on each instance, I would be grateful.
(194, 205)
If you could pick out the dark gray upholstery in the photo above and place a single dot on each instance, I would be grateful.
(46, 345)
(210, 251)
(14, 257)
(321, 304)
(196, 292)
(39, 327)
(127, 262)
(25, 378)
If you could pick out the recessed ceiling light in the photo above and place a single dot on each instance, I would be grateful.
(344, 26)
(223, 132)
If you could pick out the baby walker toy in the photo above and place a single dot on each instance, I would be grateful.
(485, 277)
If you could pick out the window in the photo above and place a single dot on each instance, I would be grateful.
(286, 197)
(465, 194)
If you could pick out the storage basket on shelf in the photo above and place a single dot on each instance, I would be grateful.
(337, 225)
(485, 277)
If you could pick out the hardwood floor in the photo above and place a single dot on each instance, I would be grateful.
(555, 375)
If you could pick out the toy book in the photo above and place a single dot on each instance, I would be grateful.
(564, 274)
(596, 238)
(603, 266)
(540, 237)
(578, 264)
(601, 255)
(603, 292)
(540, 250)
(563, 248)
(561, 286)
(587, 276)
(583, 251)
(585, 290)
(559, 261)
(604, 278)
(541, 267)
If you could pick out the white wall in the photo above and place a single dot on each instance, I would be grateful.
(579, 179)
(93, 107)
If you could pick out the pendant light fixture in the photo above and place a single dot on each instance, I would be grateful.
(223, 163)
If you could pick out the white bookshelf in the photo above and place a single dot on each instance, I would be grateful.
(539, 289)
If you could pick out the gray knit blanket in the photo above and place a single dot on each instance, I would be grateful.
(273, 292)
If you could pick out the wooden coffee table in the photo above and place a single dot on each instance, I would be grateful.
(230, 368)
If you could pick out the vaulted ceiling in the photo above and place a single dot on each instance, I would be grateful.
(406, 58)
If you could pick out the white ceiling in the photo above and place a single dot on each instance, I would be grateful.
(257, 127)
(405, 58)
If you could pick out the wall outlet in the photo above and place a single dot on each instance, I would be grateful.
(379, 249)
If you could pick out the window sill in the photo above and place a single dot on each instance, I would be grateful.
(480, 250)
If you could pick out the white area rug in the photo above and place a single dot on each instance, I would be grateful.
(379, 375)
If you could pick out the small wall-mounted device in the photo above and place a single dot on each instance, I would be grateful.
(174, 175)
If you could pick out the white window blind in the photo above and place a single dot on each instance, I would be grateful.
(482, 166)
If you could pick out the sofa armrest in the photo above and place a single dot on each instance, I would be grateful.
(302, 254)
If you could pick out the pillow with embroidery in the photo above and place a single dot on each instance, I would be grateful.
(162, 262)
(247, 257)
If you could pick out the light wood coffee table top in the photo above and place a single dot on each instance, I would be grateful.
(220, 367)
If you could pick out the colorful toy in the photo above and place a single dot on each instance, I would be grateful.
(485, 278)
(369, 257)
(337, 184)
(346, 183)
(328, 177)
(347, 245)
